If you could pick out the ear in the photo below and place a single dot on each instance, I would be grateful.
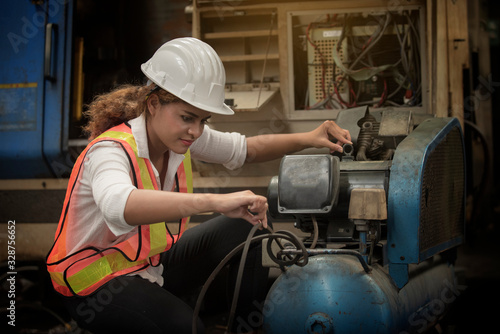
(153, 104)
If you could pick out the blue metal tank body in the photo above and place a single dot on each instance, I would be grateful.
(333, 294)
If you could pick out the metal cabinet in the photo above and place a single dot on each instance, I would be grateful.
(35, 68)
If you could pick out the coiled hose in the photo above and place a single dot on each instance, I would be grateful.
(299, 259)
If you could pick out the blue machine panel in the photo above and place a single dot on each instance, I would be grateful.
(426, 200)
(34, 86)
(18, 108)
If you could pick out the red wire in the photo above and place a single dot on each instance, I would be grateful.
(383, 97)
(341, 100)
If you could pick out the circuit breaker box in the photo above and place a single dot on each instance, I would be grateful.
(364, 58)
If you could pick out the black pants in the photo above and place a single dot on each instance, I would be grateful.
(130, 304)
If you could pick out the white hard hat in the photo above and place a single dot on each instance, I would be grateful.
(191, 70)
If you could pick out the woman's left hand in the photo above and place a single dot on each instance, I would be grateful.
(324, 135)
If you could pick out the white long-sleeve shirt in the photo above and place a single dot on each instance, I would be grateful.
(99, 197)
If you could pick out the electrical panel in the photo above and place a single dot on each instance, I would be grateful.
(354, 59)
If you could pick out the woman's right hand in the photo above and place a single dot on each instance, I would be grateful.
(245, 205)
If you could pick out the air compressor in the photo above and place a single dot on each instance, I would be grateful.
(385, 217)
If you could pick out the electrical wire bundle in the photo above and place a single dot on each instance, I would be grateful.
(385, 55)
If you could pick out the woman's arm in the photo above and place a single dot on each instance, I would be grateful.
(151, 206)
(107, 174)
(268, 147)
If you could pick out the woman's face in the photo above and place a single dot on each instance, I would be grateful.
(175, 126)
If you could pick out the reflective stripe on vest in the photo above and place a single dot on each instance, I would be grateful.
(84, 271)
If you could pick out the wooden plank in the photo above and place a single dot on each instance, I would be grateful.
(430, 56)
(33, 184)
(284, 60)
(196, 20)
(220, 12)
(239, 34)
(458, 54)
(249, 57)
(441, 78)
(222, 9)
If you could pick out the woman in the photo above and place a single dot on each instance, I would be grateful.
(106, 257)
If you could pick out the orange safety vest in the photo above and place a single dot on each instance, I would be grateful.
(84, 271)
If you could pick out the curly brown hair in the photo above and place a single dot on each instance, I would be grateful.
(120, 105)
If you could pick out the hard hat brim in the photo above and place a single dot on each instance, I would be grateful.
(191, 70)
(222, 110)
